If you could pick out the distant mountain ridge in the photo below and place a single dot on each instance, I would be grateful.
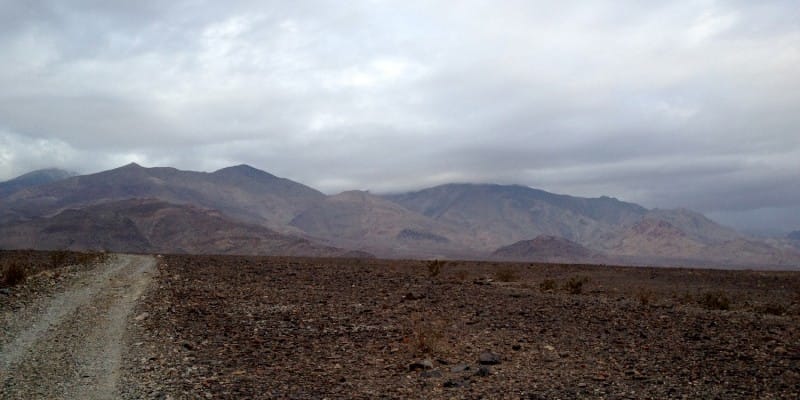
(546, 248)
(242, 192)
(149, 225)
(498, 215)
(34, 178)
(242, 209)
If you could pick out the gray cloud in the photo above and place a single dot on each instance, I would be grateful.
(683, 104)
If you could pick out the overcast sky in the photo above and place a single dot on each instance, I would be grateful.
(669, 104)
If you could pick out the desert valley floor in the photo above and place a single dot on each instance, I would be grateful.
(268, 327)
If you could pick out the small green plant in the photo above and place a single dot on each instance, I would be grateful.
(715, 300)
(575, 284)
(14, 274)
(435, 268)
(547, 285)
(506, 275)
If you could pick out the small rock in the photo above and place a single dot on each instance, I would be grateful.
(5, 291)
(460, 368)
(489, 358)
(421, 365)
(431, 374)
(779, 350)
(412, 296)
(483, 371)
(142, 316)
(454, 383)
(516, 347)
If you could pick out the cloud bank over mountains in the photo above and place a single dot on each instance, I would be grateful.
(683, 104)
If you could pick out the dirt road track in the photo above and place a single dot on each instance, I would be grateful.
(69, 345)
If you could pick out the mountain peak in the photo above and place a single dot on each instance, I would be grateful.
(34, 178)
(243, 170)
(546, 248)
(46, 173)
(242, 167)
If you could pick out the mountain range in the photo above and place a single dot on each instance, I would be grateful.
(243, 210)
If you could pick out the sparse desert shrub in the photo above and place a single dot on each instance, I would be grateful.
(461, 275)
(14, 274)
(58, 258)
(645, 296)
(685, 298)
(435, 268)
(715, 300)
(575, 284)
(773, 309)
(506, 275)
(547, 285)
(425, 334)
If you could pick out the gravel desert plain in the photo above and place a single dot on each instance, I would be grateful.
(315, 328)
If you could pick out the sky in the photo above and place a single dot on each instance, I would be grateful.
(692, 104)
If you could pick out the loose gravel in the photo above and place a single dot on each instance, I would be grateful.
(67, 341)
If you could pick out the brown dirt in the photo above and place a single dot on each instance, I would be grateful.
(250, 327)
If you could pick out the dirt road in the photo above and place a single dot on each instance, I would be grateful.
(69, 345)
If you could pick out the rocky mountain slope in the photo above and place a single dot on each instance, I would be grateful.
(241, 192)
(153, 226)
(34, 178)
(549, 249)
(498, 215)
(357, 219)
(233, 206)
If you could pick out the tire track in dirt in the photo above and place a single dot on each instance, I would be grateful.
(70, 345)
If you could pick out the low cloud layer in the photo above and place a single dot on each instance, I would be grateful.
(684, 104)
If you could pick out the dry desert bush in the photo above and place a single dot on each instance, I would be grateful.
(575, 284)
(548, 285)
(715, 300)
(506, 275)
(435, 268)
(425, 334)
(13, 274)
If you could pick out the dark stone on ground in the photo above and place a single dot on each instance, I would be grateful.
(489, 358)
(454, 383)
(431, 374)
(420, 365)
(460, 368)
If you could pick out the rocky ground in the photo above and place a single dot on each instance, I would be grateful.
(63, 330)
(250, 327)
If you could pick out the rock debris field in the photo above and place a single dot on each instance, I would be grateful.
(296, 328)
